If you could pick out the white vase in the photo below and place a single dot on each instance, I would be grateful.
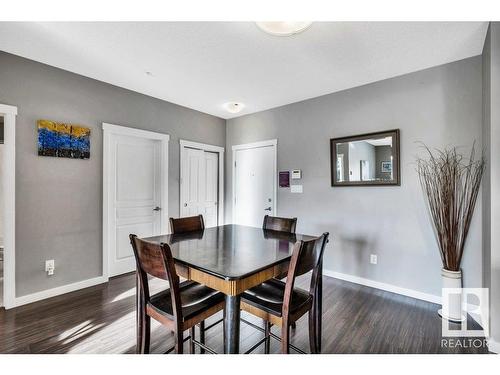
(452, 304)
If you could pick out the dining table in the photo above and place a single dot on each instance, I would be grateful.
(232, 259)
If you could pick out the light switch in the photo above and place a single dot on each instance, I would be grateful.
(296, 188)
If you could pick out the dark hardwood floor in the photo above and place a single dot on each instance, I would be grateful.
(101, 319)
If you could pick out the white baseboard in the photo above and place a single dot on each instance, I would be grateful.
(29, 298)
(493, 346)
(383, 286)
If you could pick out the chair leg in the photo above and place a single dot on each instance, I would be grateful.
(143, 333)
(312, 332)
(179, 341)
(285, 338)
(191, 342)
(139, 349)
(202, 336)
(267, 343)
(147, 333)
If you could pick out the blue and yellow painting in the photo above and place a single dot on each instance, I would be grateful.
(63, 140)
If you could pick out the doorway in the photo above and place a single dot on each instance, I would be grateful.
(7, 205)
(202, 182)
(135, 182)
(254, 182)
(1, 209)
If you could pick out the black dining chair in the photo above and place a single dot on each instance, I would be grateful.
(191, 227)
(187, 224)
(284, 225)
(179, 308)
(280, 303)
(280, 224)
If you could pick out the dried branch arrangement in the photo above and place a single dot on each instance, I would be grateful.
(451, 185)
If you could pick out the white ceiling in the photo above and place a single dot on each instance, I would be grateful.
(387, 141)
(202, 65)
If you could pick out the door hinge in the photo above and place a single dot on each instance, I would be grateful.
(235, 164)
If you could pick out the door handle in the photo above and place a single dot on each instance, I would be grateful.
(268, 209)
(157, 208)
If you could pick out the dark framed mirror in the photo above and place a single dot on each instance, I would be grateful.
(367, 159)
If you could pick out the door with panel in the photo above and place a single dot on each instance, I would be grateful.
(200, 185)
(136, 196)
(254, 185)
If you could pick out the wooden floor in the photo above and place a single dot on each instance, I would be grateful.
(101, 319)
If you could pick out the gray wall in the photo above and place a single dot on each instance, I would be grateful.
(59, 201)
(439, 106)
(491, 184)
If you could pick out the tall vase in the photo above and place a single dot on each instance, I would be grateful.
(452, 306)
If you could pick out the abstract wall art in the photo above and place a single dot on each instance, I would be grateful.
(63, 140)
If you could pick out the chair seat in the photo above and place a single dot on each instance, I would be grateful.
(195, 298)
(269, 295)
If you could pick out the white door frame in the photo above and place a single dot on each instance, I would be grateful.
(270, 142)
(211, 148)
(107, 205)
(9, 114)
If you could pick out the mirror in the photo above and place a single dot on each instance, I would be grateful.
(368, 159)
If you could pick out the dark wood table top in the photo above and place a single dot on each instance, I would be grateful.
(231, 251)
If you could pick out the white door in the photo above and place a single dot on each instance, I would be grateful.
(199, 185)
(135, 196)
(255, 185)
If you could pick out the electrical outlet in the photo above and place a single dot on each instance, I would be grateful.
(373, 259)
(50, 267)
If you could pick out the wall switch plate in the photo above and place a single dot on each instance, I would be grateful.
(373, 259)
(296, 188)
(50, 267)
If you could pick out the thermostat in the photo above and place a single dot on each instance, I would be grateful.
(296, 174)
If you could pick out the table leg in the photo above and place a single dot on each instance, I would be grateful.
(232, 325)
(318, 307)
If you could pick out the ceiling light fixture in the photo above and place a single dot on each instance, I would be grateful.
(283, 28)
(233, 107)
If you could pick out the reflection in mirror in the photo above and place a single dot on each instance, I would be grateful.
(371, 159)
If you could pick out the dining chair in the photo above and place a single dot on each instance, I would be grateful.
(280, 303)
(191, 227)
(179, 308)
(187, 224)
(279, 224)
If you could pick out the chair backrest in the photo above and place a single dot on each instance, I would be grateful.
(156, 260)
(279, 224)
(187, 224)
(307, 256)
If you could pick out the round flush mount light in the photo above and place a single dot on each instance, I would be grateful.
(233, 107)
(283, 28)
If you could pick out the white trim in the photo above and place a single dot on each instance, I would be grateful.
(383, 286)
(211, 148)
(29, 298)
(493, 346)
(246, 146)
(9, 198)
(108, 130)
(8, 110)
(270, 142)
(201, 146)
(133, 132)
